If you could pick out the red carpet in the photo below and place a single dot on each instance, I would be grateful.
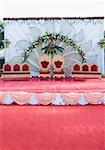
(52, 127)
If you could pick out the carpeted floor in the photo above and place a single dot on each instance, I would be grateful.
(52, 127)
(87, 85)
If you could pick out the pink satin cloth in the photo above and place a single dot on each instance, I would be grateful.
(88, 85)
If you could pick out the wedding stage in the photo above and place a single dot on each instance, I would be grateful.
(53, 48)
(51, 62)
(37, 92)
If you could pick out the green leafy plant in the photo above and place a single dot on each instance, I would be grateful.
(51, 48)
(102, 42)
(1, 35)
(4, 43)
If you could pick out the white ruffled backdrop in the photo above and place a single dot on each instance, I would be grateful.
(87, 33)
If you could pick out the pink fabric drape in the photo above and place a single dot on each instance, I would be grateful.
(71, 98)
(45, 98)
(48, 98)
(94, 98)
(21, 97)
(1, 96)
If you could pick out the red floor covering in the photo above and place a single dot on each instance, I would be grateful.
(88, 85)
(52, 127)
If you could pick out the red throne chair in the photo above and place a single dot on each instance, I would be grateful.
(16, 67)
(7, 68)
(25, 70)
(25, 67)
(94, 67)
(85, 67)
(44, 63)
(86, 71)
(7, 71)
(58, 64)
(76, 71)
(76, 68)
(81, 71)
(91, 71)
(15, 72)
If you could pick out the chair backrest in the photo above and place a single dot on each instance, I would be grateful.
(44, 63)
(58, 63)
(7, 68)
(76, 67)
(25, 67)
(94, 67)
(16, 67)
(85, 67)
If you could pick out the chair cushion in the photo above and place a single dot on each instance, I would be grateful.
(44, 64)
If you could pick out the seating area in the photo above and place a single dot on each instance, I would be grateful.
(15, 71)
(49, 67)
(79, 71)
(58, 63)
(44, 64)
(86, 71)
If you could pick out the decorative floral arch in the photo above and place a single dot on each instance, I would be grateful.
(48, 37)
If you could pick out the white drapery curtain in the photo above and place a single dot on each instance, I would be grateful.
(87, 33)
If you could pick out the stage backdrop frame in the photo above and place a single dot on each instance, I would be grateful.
(86, 31)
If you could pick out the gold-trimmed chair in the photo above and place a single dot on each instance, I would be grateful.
(58, 64)
(86, 71)
(15, 72)
(44, 64)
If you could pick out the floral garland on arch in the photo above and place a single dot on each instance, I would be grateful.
(52, 49)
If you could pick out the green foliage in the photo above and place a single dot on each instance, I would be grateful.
(102, 42)
(3, 43)
(1, 35)
(48, 50)
(51, 48)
